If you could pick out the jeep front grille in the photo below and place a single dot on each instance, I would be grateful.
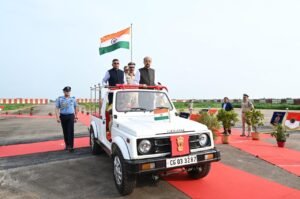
(163, 144)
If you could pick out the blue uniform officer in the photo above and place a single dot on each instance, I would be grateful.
(66, 114)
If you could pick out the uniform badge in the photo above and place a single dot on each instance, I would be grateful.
(180, 142)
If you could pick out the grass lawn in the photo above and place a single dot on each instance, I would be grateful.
(89, 106)
(185, 105)
(9, 107)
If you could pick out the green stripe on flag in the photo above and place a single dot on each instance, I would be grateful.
(161, 118)
(120, 44)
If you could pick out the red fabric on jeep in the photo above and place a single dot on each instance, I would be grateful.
(107, 117)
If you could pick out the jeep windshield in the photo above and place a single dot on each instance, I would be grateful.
(141, 101)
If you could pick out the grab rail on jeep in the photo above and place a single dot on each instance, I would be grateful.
(126, 86)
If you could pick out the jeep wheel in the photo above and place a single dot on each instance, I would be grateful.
(199, 171)
(95, 148)
(124, 181)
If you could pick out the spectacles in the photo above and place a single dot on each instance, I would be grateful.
(116, 63)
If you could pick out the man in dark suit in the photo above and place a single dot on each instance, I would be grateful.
(114, 76)
(146, 75)
(227, 106)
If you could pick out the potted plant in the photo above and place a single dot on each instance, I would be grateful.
(211, 122)
(228, 119)
(255, 118)
(280, 134)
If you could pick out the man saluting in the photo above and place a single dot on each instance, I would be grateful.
(66, 114)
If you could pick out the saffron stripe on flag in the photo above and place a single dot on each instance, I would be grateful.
(159, 111)
(115, 35)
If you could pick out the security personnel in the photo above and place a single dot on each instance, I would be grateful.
(66, 114)
(114, 76)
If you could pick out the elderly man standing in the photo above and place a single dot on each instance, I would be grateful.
(114, 76)
(246, 107)
(146, 75)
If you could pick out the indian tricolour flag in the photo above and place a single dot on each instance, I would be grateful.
(161, 114)
(115, 41)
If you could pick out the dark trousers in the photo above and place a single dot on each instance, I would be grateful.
(110, 98)
(67, 123)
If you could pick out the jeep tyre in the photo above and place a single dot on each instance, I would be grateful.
(95, 147)
(199, 171)
(124, 181)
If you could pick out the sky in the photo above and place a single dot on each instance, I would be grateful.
(200, 49)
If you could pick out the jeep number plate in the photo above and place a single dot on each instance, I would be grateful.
(180, 161)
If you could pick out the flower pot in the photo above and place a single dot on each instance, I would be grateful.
(225, 139)
(280, 144)
(255, 135)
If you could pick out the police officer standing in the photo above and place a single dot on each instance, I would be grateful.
(66, 114)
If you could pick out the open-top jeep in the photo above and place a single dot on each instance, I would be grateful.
(142, 133)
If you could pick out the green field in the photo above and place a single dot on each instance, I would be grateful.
(9, 107)
(185, 105)
(89, 107)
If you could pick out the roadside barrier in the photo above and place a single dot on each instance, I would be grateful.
(24, 101)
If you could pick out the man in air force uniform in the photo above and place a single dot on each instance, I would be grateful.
(66, 114)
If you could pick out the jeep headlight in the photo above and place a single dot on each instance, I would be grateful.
(144, 146)
(203, 139)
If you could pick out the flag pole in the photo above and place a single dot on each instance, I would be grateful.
(131, 42)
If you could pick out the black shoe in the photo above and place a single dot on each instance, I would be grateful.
(66, 148)
(71, 150)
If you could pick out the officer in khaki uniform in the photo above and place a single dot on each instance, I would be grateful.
(66, 114)
(246, 107)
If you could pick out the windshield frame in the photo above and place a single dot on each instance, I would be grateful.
(141, 91)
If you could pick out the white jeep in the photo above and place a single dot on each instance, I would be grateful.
(142, 133)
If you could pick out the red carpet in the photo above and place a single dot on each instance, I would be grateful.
(26, 116)
(227, 182)
(39, 147)
(285, 158)
(84, 119)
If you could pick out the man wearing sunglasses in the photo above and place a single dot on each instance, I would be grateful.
(113, 77)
